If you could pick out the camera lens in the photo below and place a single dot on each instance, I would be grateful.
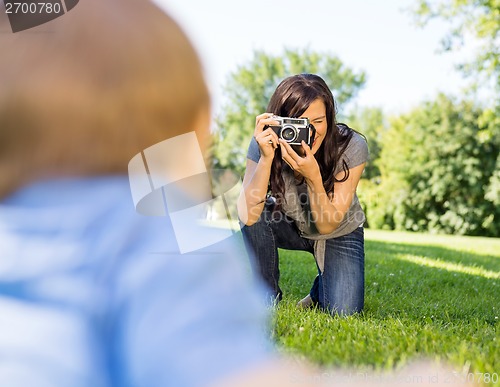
(289, 133)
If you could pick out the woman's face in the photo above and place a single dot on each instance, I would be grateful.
(316, 112)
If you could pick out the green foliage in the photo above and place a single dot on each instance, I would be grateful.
(372, 123)
(477, 18)
(490, 120)
(439, 172)
(250, 87)
(425, 296)
(434, 169)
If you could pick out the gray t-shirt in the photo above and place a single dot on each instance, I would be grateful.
(296, 196)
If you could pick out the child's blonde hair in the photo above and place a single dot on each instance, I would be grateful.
(82, 94)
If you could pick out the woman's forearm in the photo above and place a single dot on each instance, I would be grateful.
(253, 195)
(324, 214)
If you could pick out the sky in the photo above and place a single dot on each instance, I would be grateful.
(401, 60)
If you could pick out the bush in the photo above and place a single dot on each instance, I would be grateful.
(438, 172)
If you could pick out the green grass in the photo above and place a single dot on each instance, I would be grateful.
(426, 296)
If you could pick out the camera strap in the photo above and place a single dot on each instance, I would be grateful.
(313, 135)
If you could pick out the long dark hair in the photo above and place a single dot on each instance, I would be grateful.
(291, 99)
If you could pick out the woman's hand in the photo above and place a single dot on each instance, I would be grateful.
(266, 138)
(307, 165)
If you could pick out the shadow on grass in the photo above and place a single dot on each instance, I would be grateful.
(488, 262)
(395, 285)
(414, 281)
(412, 309)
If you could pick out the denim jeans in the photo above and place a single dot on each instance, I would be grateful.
(339, 289)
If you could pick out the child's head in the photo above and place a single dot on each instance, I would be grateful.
(82, 94)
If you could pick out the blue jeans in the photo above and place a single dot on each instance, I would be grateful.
(339, 289)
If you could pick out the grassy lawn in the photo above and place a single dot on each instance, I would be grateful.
(436, 297)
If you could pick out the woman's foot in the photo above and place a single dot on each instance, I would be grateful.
(306, 302)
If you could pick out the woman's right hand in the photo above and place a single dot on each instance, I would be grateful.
(267, 139)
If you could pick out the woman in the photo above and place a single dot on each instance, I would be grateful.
(315, 208)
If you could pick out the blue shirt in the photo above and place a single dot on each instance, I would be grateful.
(94, 294)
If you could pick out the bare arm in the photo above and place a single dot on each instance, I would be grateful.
(256, 180)
(327, 210)
(253, 195)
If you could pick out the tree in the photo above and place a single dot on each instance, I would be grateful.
(372, 123)
(477, 18)
(435, 164)
(250, 87)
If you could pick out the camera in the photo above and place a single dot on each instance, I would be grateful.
(294, 130)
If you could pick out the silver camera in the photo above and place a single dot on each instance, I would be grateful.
(294, 130)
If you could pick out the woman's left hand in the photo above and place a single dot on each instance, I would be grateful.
(307, 165)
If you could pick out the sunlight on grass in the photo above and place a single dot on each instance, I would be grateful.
(477, 245)
(426, 296)
(454, 267)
